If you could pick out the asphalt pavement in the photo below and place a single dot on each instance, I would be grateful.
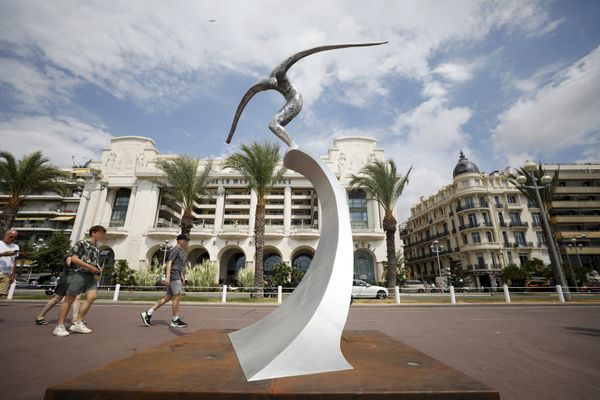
(526, 352)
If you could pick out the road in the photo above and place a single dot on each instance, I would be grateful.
(526, 352)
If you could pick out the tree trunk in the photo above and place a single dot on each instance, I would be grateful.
(259, 242)
(389, 226)
(186, 223)
(8, 218)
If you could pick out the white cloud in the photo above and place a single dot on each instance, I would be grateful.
(59, 138)
(163, 53)
(454, 72)
(561, 114)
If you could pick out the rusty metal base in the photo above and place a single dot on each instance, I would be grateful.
(203, 365)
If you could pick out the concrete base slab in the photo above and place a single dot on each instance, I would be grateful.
(202, 365)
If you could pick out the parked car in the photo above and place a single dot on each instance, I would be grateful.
(362, 289)
(414, 286)
(538, 285)
(590, 287)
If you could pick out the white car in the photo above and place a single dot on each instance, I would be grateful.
(414, 286)
(361, 289)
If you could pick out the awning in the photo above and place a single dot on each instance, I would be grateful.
(30, 218)
(66, 218)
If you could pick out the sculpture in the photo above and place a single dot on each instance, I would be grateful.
(279, 81)
(302, 336)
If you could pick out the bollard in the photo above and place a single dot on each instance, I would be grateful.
(11, 291)
(506, 294)
(561, 296)
(117, 289)
(224, 295)
(279, 294)
(397, 294)
(452, 295)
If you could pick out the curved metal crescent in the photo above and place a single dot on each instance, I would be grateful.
(280, 71)
(302, 336)
(278, 80)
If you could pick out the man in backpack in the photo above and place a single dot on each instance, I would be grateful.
(81, 279)
(175, 278)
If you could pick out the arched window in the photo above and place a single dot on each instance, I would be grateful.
(270, 259)
(364, 266)
(302, 260)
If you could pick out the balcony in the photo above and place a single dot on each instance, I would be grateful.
(519, 224)
(305, 231)
(499, 205)
(514, 205)
(468, 226)
(472, 206)
(532, 205)
(576, 204)
(234, 231)
(503, 224)
(488, 224)
(536, 224)
(575, 219)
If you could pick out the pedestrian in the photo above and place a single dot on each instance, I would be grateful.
(81, 279)
(9, 251)
(174, 281)
(59, 294)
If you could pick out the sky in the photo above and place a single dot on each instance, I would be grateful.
(503, 80)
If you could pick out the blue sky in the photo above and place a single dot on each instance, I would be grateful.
(502, 80)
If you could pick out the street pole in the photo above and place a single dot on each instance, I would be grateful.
(558, 267)
(571, 268)
(580, 264)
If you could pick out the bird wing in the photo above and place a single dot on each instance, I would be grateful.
(282, 68)
(261, 86)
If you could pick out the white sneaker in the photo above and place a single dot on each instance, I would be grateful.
(60, 331)
(80, 327)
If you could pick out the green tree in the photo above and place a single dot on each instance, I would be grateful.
(259, 164)
(457, 276)
(52, 256)
(386, 185)
(286, 275)
(30, 175)
(186, 184)
(513, 275)
(122, 274)
(402, 273)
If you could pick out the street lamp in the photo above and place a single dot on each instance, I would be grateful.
(165, 248)
(530, 167)
(81, 181)
(577, 247)
(437, 248)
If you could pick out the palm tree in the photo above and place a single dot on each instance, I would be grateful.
(386, 185)
(259, 164)
(185, 184)
(30, 175)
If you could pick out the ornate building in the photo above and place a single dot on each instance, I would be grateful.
(480, 220)
(140, 216)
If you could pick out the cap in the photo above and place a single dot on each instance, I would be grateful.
(183, 237)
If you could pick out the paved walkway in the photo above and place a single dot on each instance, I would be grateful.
(526, 352)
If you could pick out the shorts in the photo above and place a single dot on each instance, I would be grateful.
(4, 284)
(80, 282)
(175, 288)
(61, 286)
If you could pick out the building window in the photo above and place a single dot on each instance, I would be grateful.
(523, 258)
(490, 237)
(119, 211)
(472, 220)
(520, 238)
(476, 237)
(363, 266)
(541, 238)
(357, 202)
(511, 199)
(515, 218)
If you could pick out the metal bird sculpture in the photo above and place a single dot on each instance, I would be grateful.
(279, 81)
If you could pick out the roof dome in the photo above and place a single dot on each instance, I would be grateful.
(464, 166)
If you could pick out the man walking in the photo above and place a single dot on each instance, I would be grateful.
(8, 253)
(175, 278)
(81, 279)
(59, 294)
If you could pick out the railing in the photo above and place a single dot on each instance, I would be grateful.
(277, 294)
(519, 224)
(468, 226)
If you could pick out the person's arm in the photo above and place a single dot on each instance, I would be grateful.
(168, 273)
(80, 263)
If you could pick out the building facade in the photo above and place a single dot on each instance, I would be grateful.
(141, 217)
(575, 214)
(481, 220)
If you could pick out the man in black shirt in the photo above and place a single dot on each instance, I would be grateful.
(175, 278)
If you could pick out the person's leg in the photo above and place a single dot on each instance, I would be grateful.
(51, 303)
(175, 305)
(90, 297)
(64, 309)
(4, 285)
(76, 306)
(160, 303)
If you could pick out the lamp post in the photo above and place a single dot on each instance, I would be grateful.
(165, 248)
(37, 246)
(530, 167)
(437, 248)
(571, 266)
(577, 247)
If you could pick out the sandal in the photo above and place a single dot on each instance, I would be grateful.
(41, 321)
